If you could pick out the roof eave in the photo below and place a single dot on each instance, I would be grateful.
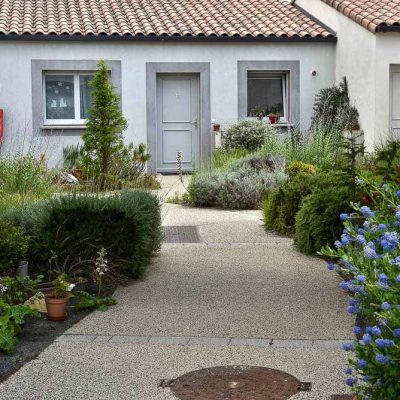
(387, 28)
(130, 38)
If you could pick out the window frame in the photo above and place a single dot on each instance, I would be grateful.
(285, 77)
(77, 121)
(293, 86)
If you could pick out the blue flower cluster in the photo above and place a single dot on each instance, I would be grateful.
(369, 258)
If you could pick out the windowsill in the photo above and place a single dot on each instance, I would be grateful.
(61, 127)
(282, 124)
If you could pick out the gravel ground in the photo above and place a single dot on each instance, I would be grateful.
(239, 282)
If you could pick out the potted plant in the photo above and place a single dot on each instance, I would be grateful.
(273, 115)
(57, 299)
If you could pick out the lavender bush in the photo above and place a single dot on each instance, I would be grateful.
(368, 256)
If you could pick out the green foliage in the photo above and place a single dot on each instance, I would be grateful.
(387, 161)
(368, 259)
(73, 229)
(317, 222)
(299, 167)
(319, 148)
(240, 186)
(11, 319)
(16, 290)
(13, 247)
(73, 156)
(283, 202)
(245, 134)
(87, 301)
(61, 287)
(333, 111)
(105, 124)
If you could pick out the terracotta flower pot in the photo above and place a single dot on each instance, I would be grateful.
(56, 308)
(274, 119)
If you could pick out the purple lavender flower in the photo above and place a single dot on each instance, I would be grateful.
(396, 332)
(382, 359)
(344, 217)
(352, 310)
(351, 382)
(398, 278)
(348, 371)
(362, 364)
(383, 278)
(361, 239)
(381, 227)
(384, 343)
(366, 212)
(398, 193)
(361, 278)
(369, 252)
(375, 331)
(331, 266)
(357, 330)
(348, 347)
(345, 239)
(385, 306)
(338, 244)
(367, 339)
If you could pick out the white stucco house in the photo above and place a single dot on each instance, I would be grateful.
(178, 65)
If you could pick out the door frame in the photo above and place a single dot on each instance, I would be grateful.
(203, 69)
(394, 68)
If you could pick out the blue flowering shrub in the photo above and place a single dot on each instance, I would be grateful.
(368, 256)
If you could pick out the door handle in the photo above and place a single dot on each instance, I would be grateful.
(195, 123)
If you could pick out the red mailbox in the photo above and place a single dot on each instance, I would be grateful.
(1, 125)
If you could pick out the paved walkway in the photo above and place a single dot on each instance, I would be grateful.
(239, 296)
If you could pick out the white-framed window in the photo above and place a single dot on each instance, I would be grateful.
(66, 97)
(268, 92)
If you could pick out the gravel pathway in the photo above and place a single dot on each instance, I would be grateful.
(237, 296)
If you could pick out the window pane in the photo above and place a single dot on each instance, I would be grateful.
(60, 97)
(264, 94)
(84, 92)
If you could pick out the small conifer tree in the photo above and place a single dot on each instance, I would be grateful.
(105, 124)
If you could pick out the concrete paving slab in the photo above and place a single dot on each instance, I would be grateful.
(110, 371)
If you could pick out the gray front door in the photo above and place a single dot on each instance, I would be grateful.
(395, 100)
(178, 121)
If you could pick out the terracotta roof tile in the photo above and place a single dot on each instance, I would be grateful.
(211, 18)
(371, 14)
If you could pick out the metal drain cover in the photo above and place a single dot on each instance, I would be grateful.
(235, 383)
(181, 234)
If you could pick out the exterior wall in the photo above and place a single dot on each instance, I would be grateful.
(387, 54)
(16, 85)
(356, 55)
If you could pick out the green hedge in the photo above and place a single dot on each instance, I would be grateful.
(283, 201)
(317, 222)
(72, 228)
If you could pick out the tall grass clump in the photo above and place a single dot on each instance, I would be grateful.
(24, 178)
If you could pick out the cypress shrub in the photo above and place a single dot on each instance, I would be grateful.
(73, 228)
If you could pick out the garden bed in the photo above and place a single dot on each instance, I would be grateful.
(39, 333)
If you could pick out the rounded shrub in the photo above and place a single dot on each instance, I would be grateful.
(317, 222)
(71, 229)
(246, 134)
(13, 247)
(283, 201)
(299, 167)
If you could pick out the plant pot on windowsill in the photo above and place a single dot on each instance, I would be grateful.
(274, 118)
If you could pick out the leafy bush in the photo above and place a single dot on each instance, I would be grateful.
(370, 256)
(299, 167)
(241, 186)
(11, 319)
(317, 222)
(71, 230)
(87, 301)
(283, 202)
(246, 134)
(16, 290)
(387, 161)
(13, 247)
(222, 158)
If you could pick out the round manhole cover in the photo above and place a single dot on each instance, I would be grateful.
(235, 383)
